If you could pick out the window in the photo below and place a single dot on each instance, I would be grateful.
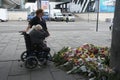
(63, 14)
(69, 14)
(46, 14)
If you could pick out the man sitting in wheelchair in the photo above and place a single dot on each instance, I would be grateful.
(38, 43)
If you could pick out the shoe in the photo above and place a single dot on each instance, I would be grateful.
(49, 57)
(45, 62)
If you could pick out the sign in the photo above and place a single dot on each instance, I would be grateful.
(31, 1)
(107, 5)
(44, 4)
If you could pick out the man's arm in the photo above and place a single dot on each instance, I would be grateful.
(29, 26)
(45, 29)
(31, 23)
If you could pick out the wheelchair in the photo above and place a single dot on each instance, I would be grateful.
(34, 54)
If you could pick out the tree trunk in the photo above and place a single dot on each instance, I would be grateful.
(115, 45)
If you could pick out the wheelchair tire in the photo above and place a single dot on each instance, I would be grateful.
(49, 57)
(31, 62)
(23, 56)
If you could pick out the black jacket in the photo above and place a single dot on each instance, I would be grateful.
(36, 20)
(37, 36)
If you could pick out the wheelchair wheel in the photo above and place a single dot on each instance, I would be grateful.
(23, 56)
(49, 57)
(31, 62)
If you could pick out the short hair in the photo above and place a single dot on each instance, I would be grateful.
(38, 27)
(39, 11)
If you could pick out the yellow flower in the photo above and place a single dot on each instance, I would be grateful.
(105, 52)
(83, 56)
(79, 49)
(92, 56)
(69, 59)
(62, 54)
(75, 60)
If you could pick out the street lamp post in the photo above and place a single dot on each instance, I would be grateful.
(38, 4)
(97, 14)
(49, 10)
(89, 9)
(22, 4)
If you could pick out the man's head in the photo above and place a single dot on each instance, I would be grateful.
(38, 27)
(39, 12)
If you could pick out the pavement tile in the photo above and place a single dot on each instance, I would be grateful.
(79, 77)
(4, 70)
(16, 69)
(21, 40)
(20, 47)
(19, 77)
(9, 51)
(61, 75)
(52, 67)
(41, 74)
(3, 44)
(18, 54)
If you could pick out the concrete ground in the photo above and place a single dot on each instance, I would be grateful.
(62, 34)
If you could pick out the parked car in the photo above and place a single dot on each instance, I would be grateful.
(46, 16)
(58, 16)
(32, 14)
(69, 16)
(3, 15)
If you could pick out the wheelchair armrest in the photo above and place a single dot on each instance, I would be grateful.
(22, 32)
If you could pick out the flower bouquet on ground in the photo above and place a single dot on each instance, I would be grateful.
(88, 59)
(58, 58)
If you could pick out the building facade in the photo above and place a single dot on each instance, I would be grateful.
(12, 4)
(82, 6)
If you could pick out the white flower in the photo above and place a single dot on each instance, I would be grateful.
(69, 72)
(90, 74)
(66, 63)
(80, 59)
(92, 78)
(74, 50)
(72, 54)
(74, 68)
(100, 66)
(83, 68)
(69, 48)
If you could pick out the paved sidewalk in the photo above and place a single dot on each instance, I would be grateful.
(62, 34)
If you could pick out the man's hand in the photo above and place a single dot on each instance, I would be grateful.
(27, 29)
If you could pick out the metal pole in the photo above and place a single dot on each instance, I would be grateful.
(38, 4)
(22, 4)
(97, 15)
(88, 10)
(49, 12)
(88, 17)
